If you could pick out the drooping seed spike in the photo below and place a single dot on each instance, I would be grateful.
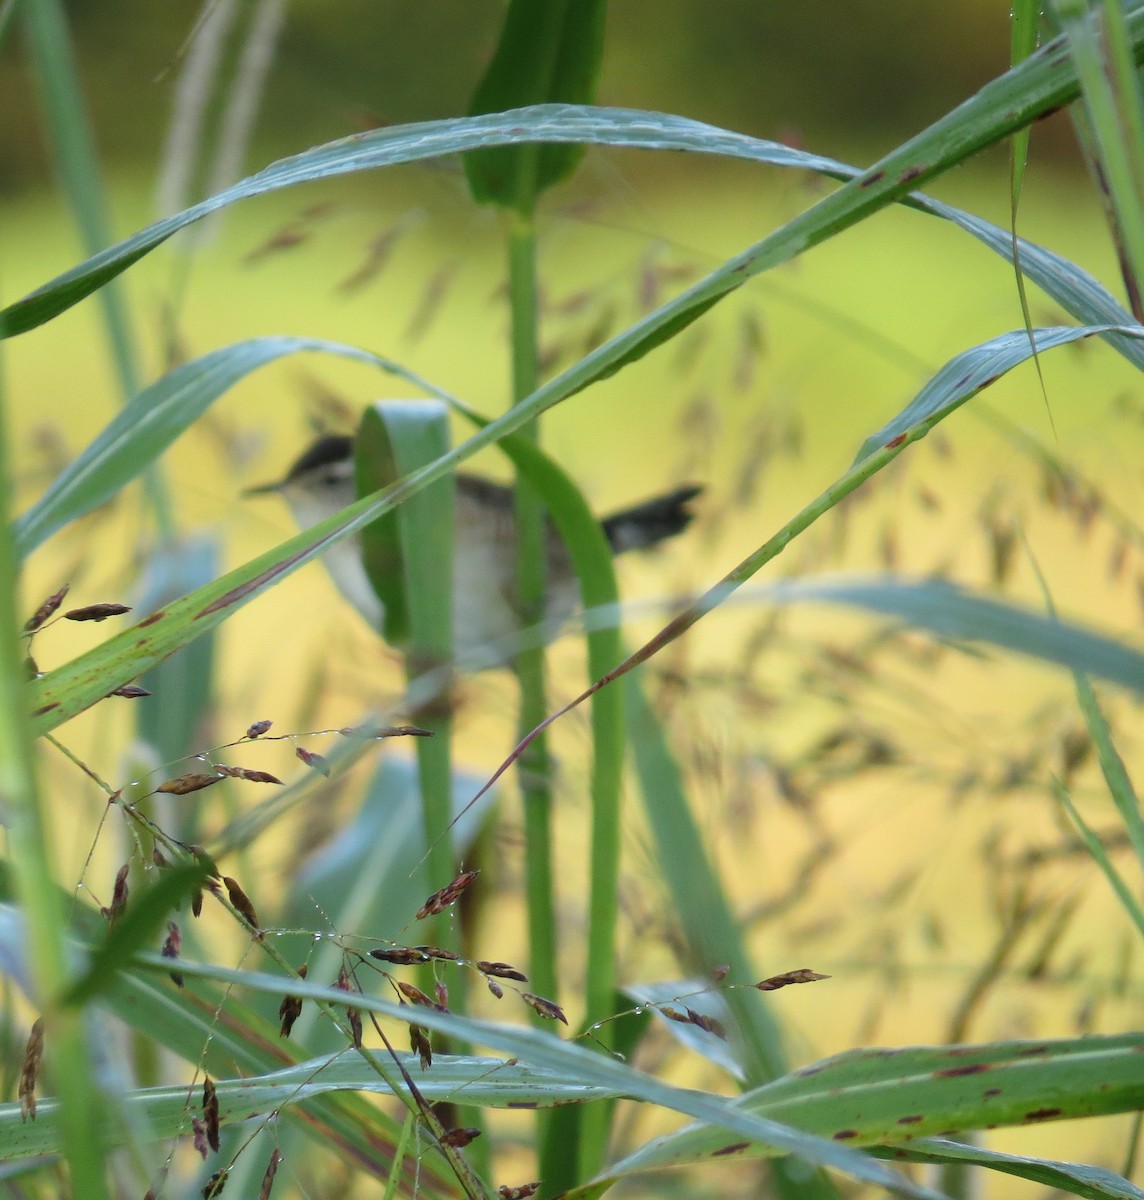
(198, 1129)
(501, 971)
(215, 1184)
(316, 761)
(419, 1043)
(448, 895)
(241, 902)
(46, 610)
(414, 994)
(183, 785)
(802, 975)
(247, 773)
(96, 612)
(171, 949)
(291, 1007)
(402, 956)
(30, 1070)
(545, 1008)
(459, 1137)
(271, 1171)
(119, 894)
(210, 1112)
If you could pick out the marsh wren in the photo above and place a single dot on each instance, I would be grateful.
(485, 608)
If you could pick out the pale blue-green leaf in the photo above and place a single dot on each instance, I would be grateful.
(977, 368)
(950, 611)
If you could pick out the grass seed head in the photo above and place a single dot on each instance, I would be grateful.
(241, 902)
(419, 1043)
(271, 1171)
(46, 610)
(96, 612)
(30, 1070)
(210, 1113)
(449, 894)
(545, 1008)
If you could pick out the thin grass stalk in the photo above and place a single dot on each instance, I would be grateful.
(1101, 857)
(30, 858)
(76, 161)
(1112, 766)
(534, 773)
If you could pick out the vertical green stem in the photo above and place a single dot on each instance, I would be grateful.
(534, 764)
(534, 768)
(30, 857)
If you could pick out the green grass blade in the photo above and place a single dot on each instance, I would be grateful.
(1095, 847)
(41, 924)
(549, 51)
(705, 916)
(1037, 85)
(1112, 765)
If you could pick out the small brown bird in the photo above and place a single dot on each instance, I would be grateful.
(485, 617)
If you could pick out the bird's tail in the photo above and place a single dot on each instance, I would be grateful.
(646, 525)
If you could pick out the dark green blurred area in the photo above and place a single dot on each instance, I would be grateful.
(829, 73)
